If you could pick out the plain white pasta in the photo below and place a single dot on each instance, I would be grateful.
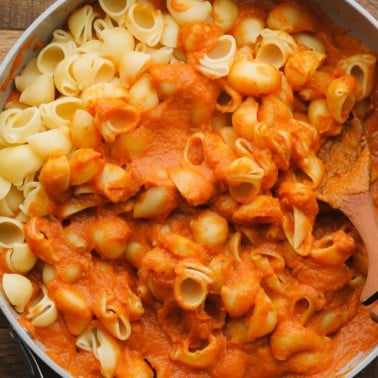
(18, 162)
(63, 77)
(42, 311)
(217, 62)
(9, 205)
(247, 31)
(60, 35)
(276, 47)
(50, 143)
(184, 11)
(23, 123)
(93, 46)
(20, 258)
(133, 65)
(116, 9)
(6, 117)
(18, 289)
(11, 232)
(53, 53)
(101, 24)
(89, 69)
(104, 347)
(28, 74)
(171, 30)
(59, 113)
(225, 13)
(39, 91)
(159, 55)
(85, 340)
(80, 24)
(5, 187)
(143, 94)
(145, 23)
(116, 42)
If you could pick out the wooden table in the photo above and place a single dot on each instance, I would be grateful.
(15, 16)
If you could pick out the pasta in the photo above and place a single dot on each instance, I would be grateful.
(225, 13)
(39, 91)
(159, 177)
(217, 62)
(185, 11)
(42, 311)
(18, 290)
(52, 54)
(145, 23)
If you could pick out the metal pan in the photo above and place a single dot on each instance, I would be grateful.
(347, 13)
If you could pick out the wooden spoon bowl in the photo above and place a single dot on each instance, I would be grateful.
(346, 187)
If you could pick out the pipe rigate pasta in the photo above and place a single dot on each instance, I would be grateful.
(145, 23)
(104, 348)
(116, 42)
(361, 67)
(171, 31)
(115, 9)
(80, 24)
(42, 312)
(20, 258)
(18, 289)
(39, 91)
(53, 53)
(217, 62)
(20, 124)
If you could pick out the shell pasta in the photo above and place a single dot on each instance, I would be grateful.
(159, 176)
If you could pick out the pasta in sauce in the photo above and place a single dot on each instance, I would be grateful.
(159, 175)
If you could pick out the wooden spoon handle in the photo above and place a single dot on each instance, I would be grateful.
(359, 208)
(374, 313)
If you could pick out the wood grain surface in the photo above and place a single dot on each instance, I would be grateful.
(15, 16)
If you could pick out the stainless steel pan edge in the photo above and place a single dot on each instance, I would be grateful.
(347, 13)
(39, 31)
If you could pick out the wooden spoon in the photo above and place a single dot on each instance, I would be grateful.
(346, 187)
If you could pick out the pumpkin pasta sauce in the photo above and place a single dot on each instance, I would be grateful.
(158, 141)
